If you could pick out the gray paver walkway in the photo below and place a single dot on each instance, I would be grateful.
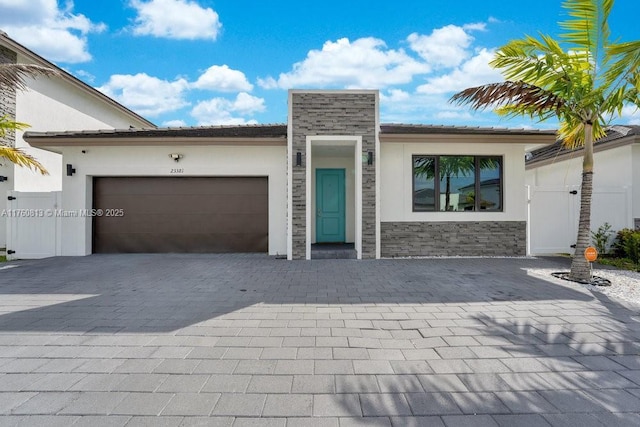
(235, 340)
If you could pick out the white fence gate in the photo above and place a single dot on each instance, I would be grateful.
(554, 213)
(33, 228)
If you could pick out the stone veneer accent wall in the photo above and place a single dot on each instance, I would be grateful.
(8, 96)
(340, 113)
(491, 238)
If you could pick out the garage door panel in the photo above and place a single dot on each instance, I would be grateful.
(188, 224)
(174, 204)
(203, 243)
(200, 215)
(173, 186)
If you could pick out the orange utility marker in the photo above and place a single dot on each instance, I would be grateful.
(591, 254)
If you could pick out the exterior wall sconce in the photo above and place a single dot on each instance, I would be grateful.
(370, 158)
(298, 158)
(176, 157)
(70, 170)
(3, 178)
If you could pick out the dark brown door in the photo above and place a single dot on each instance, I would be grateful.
(181, 215)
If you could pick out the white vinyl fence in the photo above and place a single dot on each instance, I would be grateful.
(554, 212)
(33, 228)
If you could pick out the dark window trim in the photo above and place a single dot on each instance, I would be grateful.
(436, 190)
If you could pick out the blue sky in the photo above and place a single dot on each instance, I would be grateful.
(210, 62)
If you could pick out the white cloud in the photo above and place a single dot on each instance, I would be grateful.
(248, 104)
(53, 32)
(363, 63)
(394, 95)
(145, 94)
(453, 115)
(222, 111)
(175, 19)
(475, 26)
(174, 123)
(267, 82)
(630, 115)
(474, 72)
(221, 78)
(444, 47)
(85, 76)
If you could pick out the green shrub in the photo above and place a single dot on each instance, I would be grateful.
(627, 244)
(632, 247)
(600, 238)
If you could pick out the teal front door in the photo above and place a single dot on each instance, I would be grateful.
(330, 206)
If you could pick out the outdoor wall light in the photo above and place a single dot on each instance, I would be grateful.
(70, 170)
(3, 178)
(370, 158)
(176, 157)
(298, 159)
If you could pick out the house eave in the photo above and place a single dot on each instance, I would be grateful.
(628, 140)
(58, 144)
(541, 139)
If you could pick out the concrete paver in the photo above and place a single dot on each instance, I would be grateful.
(239, 340)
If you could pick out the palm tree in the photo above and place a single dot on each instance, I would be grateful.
(583, 80)
(13, 76)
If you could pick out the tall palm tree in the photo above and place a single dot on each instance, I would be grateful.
(13, 76)
(583, 79)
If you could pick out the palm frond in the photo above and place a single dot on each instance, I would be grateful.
(15, 75)
(530, 60)
(6, 125)
(624, 68)
(20, 158)
(543, 63)
(587, 27)
(523, 97)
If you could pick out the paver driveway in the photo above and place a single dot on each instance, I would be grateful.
(251, 340)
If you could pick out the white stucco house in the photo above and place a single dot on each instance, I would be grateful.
(57, 103)
(554, 175)
(332, 176)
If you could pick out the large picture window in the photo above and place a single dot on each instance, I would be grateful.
(457, 183)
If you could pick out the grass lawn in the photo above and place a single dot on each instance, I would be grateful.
(621, 263)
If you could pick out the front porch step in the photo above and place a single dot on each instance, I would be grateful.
(346, 251)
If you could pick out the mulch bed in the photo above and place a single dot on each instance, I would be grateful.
(595, 280)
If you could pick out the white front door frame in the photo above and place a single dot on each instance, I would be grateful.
(335, 140)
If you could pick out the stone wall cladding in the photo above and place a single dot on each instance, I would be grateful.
(8, 96)
(472, 238)
(339, 113)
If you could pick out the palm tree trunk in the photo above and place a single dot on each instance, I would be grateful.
(580, 268)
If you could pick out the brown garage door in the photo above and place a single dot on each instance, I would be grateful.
(182, 215)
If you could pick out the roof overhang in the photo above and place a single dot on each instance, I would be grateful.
(57, 145)
(537, 138)
(567, 155)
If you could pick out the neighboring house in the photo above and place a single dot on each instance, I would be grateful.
(332, 174)
(554, 175)
(48, 104)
